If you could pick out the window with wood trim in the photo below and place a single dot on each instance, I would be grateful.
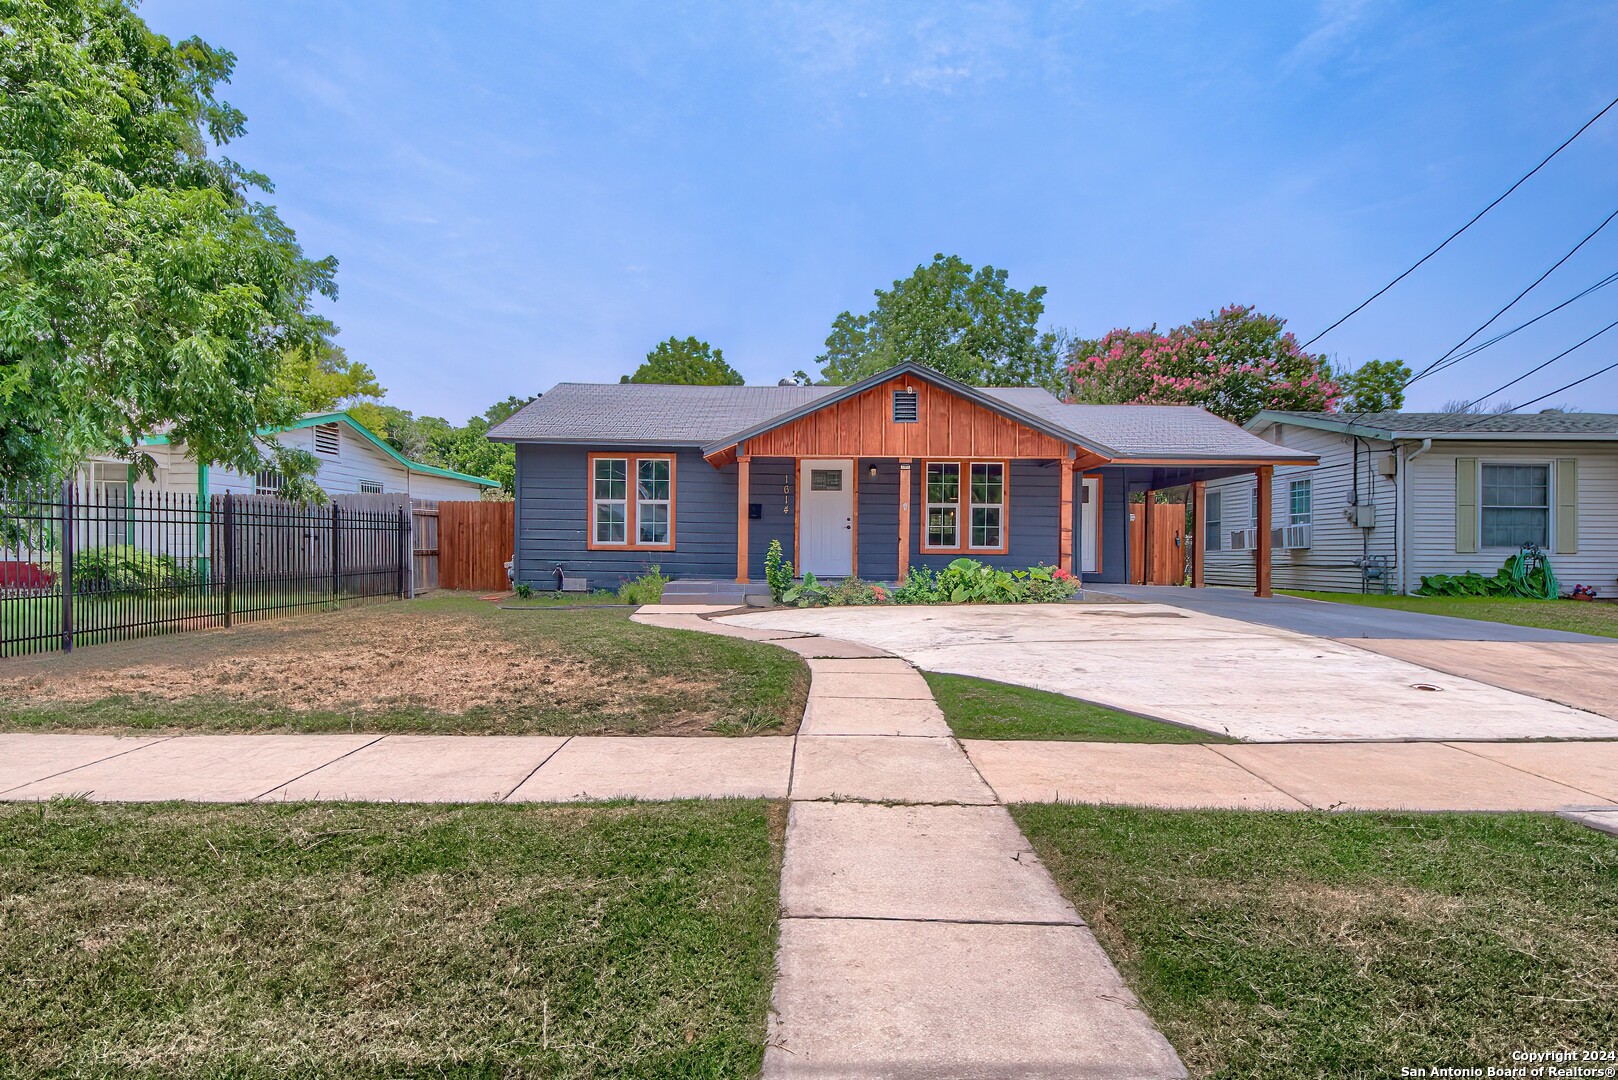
(632, 501)
(964, 506)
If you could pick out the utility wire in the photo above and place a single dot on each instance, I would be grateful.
(1445, 365)
(1485, 325)
(1542, 367)
(1364, 303)
(1561, 389)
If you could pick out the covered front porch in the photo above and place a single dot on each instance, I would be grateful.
(876, 517)
(910, 468)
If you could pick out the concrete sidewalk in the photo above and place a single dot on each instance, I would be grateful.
(893, 749)
(927, 939)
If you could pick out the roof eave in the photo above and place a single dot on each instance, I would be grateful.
(1269, 418)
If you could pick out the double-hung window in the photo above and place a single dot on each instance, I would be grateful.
(1213, 508)
(1516, 506)
(943, 505)
(965, 506)
(632, 501)
(1300, 502)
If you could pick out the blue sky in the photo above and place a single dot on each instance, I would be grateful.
(524, 193)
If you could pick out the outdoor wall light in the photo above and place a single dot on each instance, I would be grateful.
(873, 471)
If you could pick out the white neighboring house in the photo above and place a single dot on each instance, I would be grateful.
(1410, 494)
(352, 460)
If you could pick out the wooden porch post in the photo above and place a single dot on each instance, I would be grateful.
(1261, 553)
(904, 518)
(1199, 504)
(1064, 546)
(1146, 538)
(744, 471)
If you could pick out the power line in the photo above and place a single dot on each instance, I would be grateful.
(1485, 325)
(1542, 367)
(1445, 365)
(1559, 390)
(1364, 303)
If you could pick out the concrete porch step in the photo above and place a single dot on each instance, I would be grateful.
(714, 591)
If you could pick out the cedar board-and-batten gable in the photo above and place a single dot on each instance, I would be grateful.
(952, 420)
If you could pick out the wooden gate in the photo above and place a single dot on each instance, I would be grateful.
(1165, 563)
(475, 540)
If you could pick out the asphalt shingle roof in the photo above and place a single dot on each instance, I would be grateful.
(658, 415)
(1429, 423)
(1144, 430)
(620, 413)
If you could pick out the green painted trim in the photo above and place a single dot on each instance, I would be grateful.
(202, 519)
(370, 436)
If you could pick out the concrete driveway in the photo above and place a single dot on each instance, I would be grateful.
(1579, 670)
(1242, 678)
(1319, 618)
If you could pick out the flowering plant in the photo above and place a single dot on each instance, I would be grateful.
(1234, 363)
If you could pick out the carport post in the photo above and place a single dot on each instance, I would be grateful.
(1064, 544)
(744, 472)
(1199, 505)
(1261, 551)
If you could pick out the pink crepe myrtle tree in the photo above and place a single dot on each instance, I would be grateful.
(1233, 363)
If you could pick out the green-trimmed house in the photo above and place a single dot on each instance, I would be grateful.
(353, 461)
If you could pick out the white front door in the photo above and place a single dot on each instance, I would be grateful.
(826, 518)
(1089, 523)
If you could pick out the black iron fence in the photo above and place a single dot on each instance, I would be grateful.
(86, 564)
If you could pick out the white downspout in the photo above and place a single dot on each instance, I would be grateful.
(1401, 538)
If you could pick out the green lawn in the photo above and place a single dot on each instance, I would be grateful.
(1576, 616)
(983, 709)
(444, 664)
(349, 941)
(1314, 944)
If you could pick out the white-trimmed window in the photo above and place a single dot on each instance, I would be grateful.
(632, 501)
(370, 487)
(1516, 505)
(1213, 509)
(964, 506)
(267, 482)
(329, 438)
(1300, 502)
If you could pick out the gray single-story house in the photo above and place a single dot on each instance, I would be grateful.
(904, 468)
(1394, 496)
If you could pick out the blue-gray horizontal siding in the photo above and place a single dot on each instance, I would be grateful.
(553, 519)
(553, 511)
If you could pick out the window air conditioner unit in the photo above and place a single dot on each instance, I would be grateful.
(1243, 539)
(1295, 537)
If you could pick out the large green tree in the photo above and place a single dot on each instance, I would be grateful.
(689, 362)
(1375, 386)
(968, 324)
(143, 285)
(319, 377)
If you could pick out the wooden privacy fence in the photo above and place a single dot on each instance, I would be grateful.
(475, 541)
(1161, 528)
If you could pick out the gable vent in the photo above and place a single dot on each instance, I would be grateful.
(328, 440)
(905, 409)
